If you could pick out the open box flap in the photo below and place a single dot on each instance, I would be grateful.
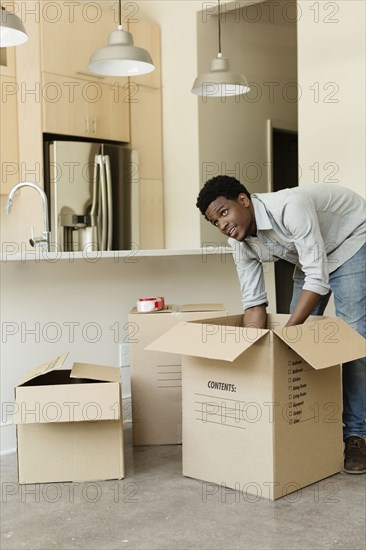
(211, 341)
(95, 372)
(324, 343)
(54, 364)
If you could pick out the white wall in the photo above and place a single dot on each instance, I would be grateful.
(331, 38)
(331, 76)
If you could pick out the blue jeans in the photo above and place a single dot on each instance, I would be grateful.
(348, 285)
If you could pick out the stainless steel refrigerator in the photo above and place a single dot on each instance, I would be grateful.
(92, 191)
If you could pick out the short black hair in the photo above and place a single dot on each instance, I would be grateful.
(219, 186)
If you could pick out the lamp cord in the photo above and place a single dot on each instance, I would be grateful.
(120, 13)
(219, 23)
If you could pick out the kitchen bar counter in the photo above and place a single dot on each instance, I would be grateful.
(13, 254)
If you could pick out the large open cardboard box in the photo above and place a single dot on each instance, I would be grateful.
(69, 423)
(262, 409)
(156, 377)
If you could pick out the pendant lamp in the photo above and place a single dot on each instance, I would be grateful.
(220, 81)
(121, 57)
(12, 31)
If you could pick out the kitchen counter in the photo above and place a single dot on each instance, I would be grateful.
(126, 256)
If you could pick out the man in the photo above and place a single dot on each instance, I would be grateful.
(322, 230)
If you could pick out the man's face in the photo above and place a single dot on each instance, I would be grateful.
(234, 218)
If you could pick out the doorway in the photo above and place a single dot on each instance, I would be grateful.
(284, 174)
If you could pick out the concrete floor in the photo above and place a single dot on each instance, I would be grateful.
(156, 508)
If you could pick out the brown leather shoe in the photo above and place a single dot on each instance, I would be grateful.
(355, 455)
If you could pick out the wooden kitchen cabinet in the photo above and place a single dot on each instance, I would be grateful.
(146, 137)
(9, 149)
(110, 115)
(151, 214)
(146, 104)
(147, 35)
(84, 108)
(76, 102)
(71, 32)
(9, 152)
(146, 132)
(64, 111)
(58, 96)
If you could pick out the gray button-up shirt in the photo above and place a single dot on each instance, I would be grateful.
(315, 227)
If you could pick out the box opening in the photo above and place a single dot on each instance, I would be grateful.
(59, 377)
(274, 321)
(232, 321)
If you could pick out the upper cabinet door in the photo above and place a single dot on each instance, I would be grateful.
(9, 154)
(147, 36)
(9, 91)
(89, 105)
(65, 110)
(58, 38)
(71, 32)
(85, 108)
(109, 112)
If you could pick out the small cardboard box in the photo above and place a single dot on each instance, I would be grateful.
(156, 378)
(262, 408)
(69, 423)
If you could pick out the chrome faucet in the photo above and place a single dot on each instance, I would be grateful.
(43, 241)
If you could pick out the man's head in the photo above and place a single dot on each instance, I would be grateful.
(226, 203)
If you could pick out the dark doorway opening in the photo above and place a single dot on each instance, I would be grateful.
(285, 174)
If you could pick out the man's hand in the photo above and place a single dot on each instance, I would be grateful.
(255, 317)
(305, 305)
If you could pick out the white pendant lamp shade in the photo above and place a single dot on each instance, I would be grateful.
(121, 57)
(12, 31)
(220, 81)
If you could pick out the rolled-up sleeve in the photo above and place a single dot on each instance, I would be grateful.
(301, 222)
(250, 274)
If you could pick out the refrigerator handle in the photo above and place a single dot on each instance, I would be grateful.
(93, 210)
(104, 216)
(97, 206)
(102, 205)
(108, 173)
